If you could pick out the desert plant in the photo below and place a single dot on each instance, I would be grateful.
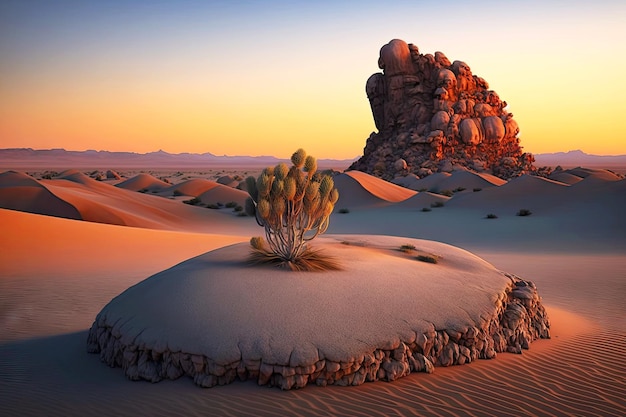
(447, 193)
(437, 204)
(407, 248)
(177, 193)
(426, 209)
(193, 202)
(231, 204)
(293, 205)
(458, 189)
(431, 259)
(477, 189)
(524, 212)
(344, 211)
(491, 216)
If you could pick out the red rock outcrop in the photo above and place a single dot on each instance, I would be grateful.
(433, 115)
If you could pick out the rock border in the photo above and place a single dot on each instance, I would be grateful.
(519, 319)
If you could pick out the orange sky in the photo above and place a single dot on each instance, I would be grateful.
(269, 77)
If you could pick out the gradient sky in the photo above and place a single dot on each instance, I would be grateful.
(268, 77)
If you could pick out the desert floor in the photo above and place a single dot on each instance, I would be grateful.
(70, 244)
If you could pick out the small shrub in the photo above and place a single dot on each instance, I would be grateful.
(293, 205)
(491, 216)
(477, 189)
(426, 209)
(238, 209)
(459, 189)
(213, 206)
(193, 202)
(143, 190)
(177, 193)
(421, 190)
(431, 259)
(447, 193)
(437, 204)
(407, 248)
(344, 211)
(524, 212)
(241, 214)
(231, 204)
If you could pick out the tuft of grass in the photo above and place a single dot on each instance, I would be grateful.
(241, 214)
(477, 189)
(524, 212)
(310, 260)
(491, 216)
(238, 209)
(213, 206)
(193, 202)
(425, 209)
(344, 211)
(458, 189)
(437, 204)
(177, 193)
(447, 193)
(407, 248)
(231, 204)
(431, 259)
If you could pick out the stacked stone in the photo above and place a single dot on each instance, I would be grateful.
(518, 319)
(433, 115)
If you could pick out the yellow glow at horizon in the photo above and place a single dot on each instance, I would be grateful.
(572, 100)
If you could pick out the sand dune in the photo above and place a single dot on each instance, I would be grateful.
(74, 195)
(143, 182)
(380, 188)
(56, 274)
(429, 183)
(193, 187)
(423, 199)
(354, 195)
(21, 192)
(565, 177)
(224, 194)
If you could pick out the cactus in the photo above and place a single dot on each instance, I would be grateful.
(293, 205)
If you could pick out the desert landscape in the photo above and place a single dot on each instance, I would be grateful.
(72, 243)
(162, 255)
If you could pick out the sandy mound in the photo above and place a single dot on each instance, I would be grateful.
(215, 319)
(565, 177)
(429, 183)
(381, 188)
(422, 200)
(21, 192)
(143, 182)
(360, 190)
(467, 180)
(74, 195)
(193, 187)
(224, 194)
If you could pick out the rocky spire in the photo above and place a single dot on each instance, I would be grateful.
(433, 115)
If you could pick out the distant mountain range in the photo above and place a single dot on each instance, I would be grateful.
(16, 158)
(580, 158)
(20, 158)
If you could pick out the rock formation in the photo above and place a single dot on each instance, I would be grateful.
(433, 116)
